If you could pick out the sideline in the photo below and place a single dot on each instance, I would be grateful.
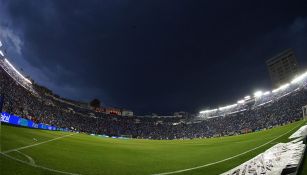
(229, 158)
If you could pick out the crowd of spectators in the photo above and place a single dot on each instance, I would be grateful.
(42, 107)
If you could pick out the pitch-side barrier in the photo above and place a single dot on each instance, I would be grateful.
(282, 158)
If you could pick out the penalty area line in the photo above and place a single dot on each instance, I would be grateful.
(229, 158)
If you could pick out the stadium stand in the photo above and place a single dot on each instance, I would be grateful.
(264, 110)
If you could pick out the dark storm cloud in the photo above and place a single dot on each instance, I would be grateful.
(154, 56)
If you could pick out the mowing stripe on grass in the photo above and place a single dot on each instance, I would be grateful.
(36, 144)
(229, 158)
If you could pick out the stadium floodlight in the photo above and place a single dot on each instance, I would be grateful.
(1, 53)
(285, 86)
(282, 87)
(267, 93)
(258, 94)
(0, 44)
(27, 80)
(207, 111)
(222, 108)
(299, 78)
(227, 107)
(241, 101)
(247, 97)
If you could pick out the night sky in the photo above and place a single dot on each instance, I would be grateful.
(152, 56)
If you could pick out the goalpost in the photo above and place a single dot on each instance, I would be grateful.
(304, 112)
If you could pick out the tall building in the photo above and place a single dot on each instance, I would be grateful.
(282, 67)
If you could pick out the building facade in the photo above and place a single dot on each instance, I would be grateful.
(113, 111)
(127, 113)
(282, 67)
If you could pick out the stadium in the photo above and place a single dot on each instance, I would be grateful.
(263, 133)
(43, 134)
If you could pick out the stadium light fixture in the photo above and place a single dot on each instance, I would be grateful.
(299, 78)
(222, 108)
(247, 97)
(1, 53)
(258, 94)
(0, 44)
(207, 111)
(234, 105)
(241, 101)
(27, 80)
(228, 107)
(282, 87)
(285, 86)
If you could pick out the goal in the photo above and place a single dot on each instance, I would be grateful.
(304, 112)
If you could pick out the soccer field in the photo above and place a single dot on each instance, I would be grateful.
(32, 151)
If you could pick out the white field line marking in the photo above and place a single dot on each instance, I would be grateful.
(31, 160)
(173, 172)
(229, 158)
(36, 144)
(38, 166)
(5, 153)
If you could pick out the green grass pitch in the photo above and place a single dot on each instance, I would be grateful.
(88, 155)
